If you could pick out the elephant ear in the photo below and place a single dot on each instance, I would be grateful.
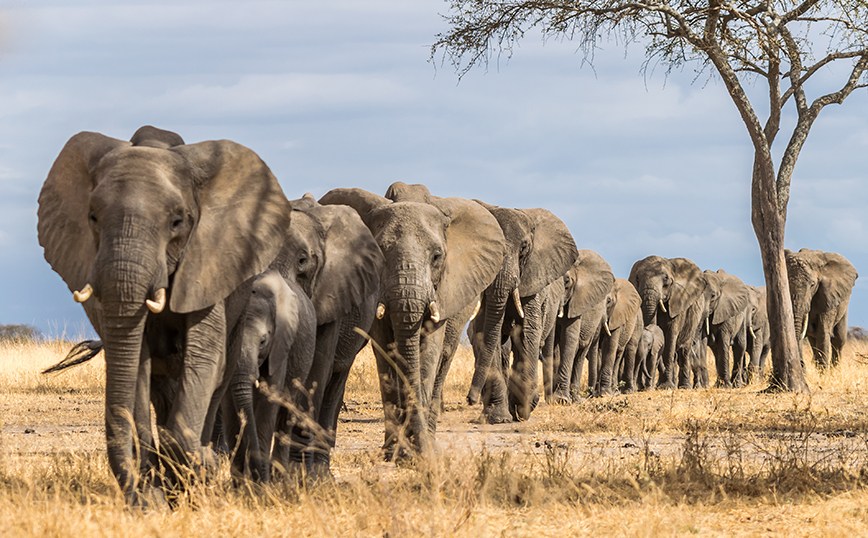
(64, 204)
(474, 253)
(627, 304)
(352, 266)
(687, 285)
(243, 218)
(305, 202)
(401, 192)
(734, 298)
(554, 252)
(592, 281)
(364, 202)
(837, 278)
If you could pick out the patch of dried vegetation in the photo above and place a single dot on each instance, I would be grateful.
(708, 462)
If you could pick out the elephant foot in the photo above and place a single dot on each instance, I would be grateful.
(496, 416)
(561, 398)
(666, 385)
(722, 384)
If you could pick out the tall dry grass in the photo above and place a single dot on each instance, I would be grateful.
(709, 462)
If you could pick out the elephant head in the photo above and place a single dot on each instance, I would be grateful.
(668, 284)
(819, 282)
(539, 250)
(728, 296)
(622, 304)
(154, 227)
(586, 283)
(332, 255)
(439, 256)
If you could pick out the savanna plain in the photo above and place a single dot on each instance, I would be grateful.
(709, 462)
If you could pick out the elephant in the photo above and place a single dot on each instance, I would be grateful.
(619, 339)
(332, 256)
(727, 325)
(273, 343)
(586, 286)
(758, 339)
(159, 240)
(539, 251)
(440, 254)
(648, 356)
(671, 291)
(820, 286)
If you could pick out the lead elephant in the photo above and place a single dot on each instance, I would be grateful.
(156, 238)
(273, 344)
(671, 290)
(586, 285)
(539, 250)
(440, 253)
(332, 256)
(820, 287)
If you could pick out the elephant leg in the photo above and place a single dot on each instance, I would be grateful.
(451, 339)
(838, 338)
(310, 444)
(631, 364)
(204, 363)
(495, 408)
(720, 347)
(548, 361)
(608, 352)
(739, 352)
(668, 367)
(523, 392)
(147, 450)
(594, 353)
(569, 330)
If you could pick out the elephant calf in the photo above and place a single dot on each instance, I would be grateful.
(274, 344)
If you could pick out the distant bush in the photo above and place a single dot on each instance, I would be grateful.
(19, 333)
(858, 333)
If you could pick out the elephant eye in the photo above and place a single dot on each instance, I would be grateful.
(436, 257)
(91, 217)
(177, 222)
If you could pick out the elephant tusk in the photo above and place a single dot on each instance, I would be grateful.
(707, 326)
(606, 326)
(804, 327)
(475, 310)
(159, 304)
(381, 310)
(752, 334)
(561, 311)
(662, 306)
(517, 300)
(435, 312)
(83, 295)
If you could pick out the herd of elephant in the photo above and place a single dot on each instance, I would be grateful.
(206, 284)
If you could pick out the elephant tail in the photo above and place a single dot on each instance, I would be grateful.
(80, 353)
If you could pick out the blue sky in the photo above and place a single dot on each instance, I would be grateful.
(341, 93)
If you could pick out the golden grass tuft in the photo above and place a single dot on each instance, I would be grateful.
(708, 462)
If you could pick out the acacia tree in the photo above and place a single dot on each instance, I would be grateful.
(739, 40)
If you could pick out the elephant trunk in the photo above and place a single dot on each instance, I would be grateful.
(242, 388)
(122, 339)
(406, 315)
(650, 301)
(496, 297)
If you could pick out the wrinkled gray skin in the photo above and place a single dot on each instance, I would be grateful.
(131, 218)
(619, 340)
(273, 343)
(553, 310)
(678, 285)
(440, 253)
(586, 286)
(820, 287)
(758, 343)
(539, 250)
(648, 356)
(332, 256)
(727, 325)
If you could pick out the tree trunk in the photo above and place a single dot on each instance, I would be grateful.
(769, 223)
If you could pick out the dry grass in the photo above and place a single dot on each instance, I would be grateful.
(707, 462)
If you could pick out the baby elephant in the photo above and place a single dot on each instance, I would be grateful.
(274, 344)
(648, 356)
